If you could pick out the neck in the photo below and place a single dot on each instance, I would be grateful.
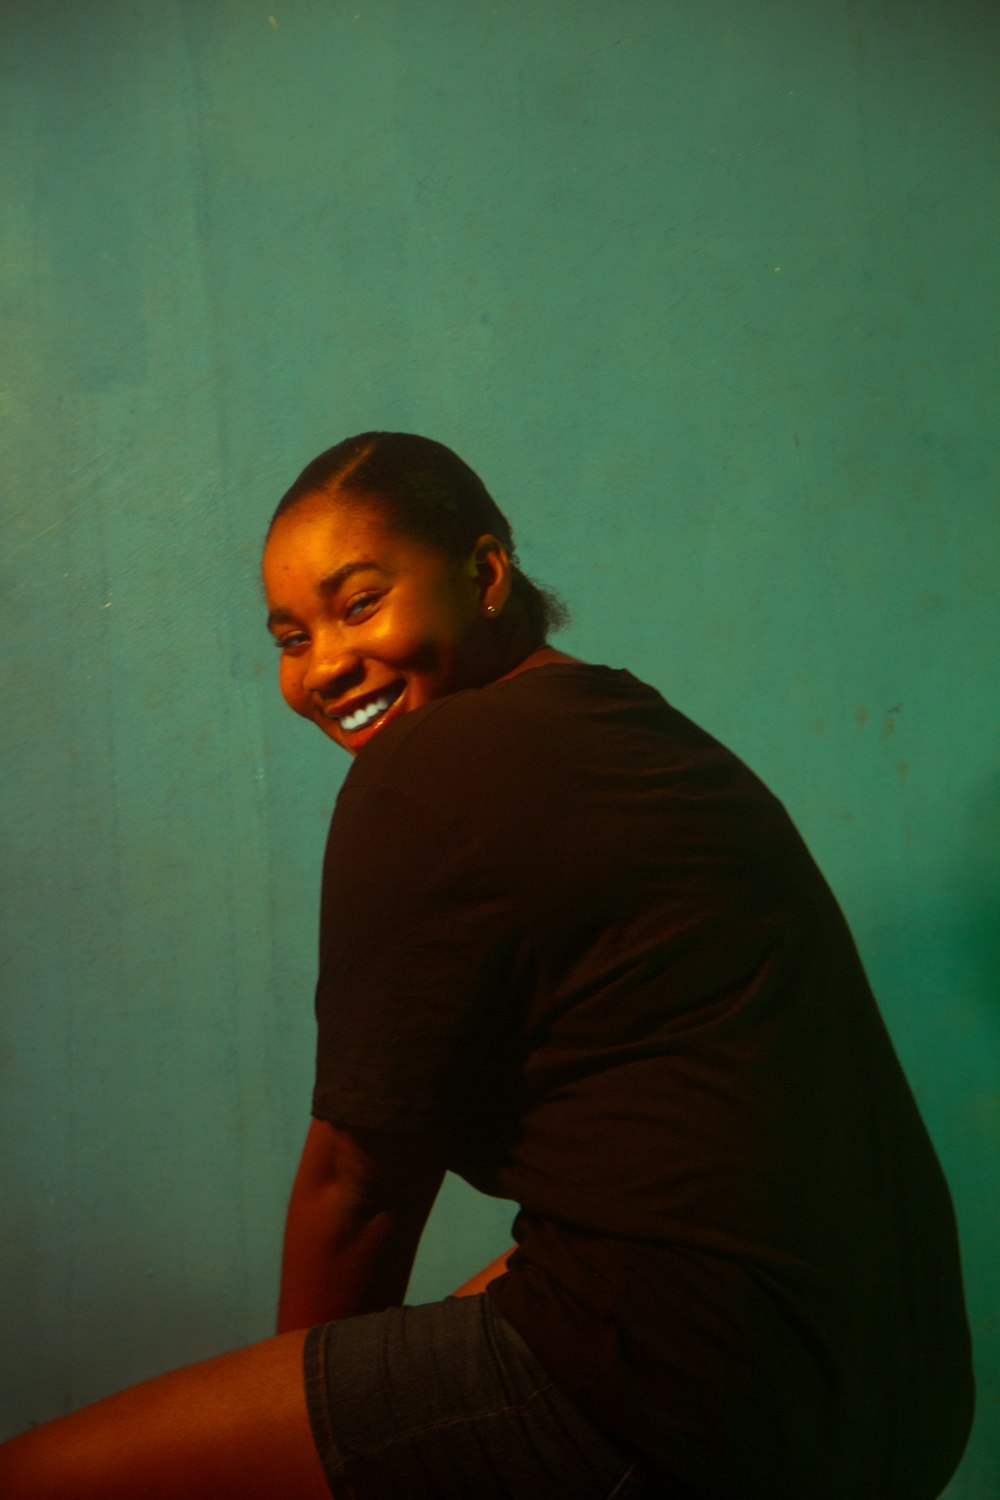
(541, 657)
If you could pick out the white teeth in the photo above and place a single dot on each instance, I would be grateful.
(363, 716)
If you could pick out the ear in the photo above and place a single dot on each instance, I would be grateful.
(490, 566)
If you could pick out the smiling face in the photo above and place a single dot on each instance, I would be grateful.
(372, 624)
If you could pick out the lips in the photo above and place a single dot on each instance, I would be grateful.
(367, 711)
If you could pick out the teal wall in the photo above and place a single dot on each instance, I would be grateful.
(708, 292)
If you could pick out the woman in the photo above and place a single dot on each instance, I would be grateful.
(572, 949)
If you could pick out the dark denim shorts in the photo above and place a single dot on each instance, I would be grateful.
(446, 1400)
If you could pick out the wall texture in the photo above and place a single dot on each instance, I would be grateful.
(709, 295)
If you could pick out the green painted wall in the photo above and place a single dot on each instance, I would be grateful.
(708, 292)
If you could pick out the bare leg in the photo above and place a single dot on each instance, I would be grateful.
(230, 1427)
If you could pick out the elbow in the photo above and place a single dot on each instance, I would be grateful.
(369, 1176)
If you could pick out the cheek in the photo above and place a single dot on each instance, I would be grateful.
(290, 683)
(432, 636)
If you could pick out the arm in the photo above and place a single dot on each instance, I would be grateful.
(352, 1229)
(482, 1279)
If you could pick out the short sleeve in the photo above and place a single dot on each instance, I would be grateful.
(415, 1000)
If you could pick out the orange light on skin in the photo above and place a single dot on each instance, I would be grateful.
(372, 624)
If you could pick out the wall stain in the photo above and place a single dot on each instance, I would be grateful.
(861, 717)
(891, 715)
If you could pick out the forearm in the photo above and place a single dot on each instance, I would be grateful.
(349, 1245)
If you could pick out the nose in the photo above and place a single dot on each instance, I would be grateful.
(331, 668)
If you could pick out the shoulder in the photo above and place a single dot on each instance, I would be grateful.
(529, 719)
(556, 742)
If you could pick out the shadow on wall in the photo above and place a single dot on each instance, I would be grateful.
(977, 888)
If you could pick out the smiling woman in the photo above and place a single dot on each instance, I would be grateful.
(571, 948)
(385, 591)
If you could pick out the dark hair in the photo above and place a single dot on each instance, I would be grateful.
(429, 494)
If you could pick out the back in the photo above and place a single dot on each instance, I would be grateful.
(736, 1245)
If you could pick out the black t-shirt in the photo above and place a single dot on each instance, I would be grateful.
(574, 947)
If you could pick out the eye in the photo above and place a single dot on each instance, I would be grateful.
(359, 606)
(292, 641)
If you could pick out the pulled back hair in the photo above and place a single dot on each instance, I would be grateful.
(427, 493)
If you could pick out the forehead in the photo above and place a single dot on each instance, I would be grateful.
(318, 516)
(319, 533)
(318, 538)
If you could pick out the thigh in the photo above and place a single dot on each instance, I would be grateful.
(233, 1426)
(446, 1402)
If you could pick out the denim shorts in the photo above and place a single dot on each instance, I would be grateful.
(446, 1400)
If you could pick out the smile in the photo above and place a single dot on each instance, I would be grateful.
(369, 711)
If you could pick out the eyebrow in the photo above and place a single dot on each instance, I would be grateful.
(326, 588)
(329, 585)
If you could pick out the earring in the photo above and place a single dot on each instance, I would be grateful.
(491, 609)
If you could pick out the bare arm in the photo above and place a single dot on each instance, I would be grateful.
(352, 1229)
(482, 1279)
